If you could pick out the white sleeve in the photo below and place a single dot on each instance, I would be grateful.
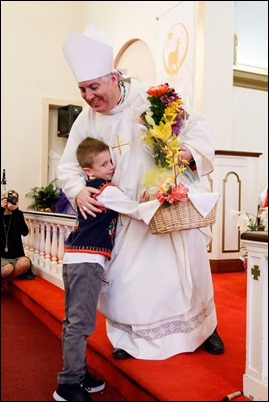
(71, 176)
(196, 135)
(113, 198)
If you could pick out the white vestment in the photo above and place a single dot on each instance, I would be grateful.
(159, 296)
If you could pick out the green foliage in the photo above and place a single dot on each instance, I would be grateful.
(44, 198)
(157, 108)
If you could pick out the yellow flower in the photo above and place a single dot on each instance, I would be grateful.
(163, 121)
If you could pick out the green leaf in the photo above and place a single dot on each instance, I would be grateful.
(44, 197)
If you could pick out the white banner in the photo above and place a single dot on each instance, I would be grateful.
(176, 49)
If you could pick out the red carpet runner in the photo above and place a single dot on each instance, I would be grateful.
(197, 376)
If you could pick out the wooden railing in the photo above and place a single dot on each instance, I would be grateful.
(45, 242)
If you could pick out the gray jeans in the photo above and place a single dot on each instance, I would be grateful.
(82, 284)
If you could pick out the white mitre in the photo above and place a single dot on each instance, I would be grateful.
(89, 54)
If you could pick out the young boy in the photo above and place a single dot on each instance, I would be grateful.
(87, 248)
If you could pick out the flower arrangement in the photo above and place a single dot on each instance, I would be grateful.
(264, 218)
(247, 221)
(163, 121)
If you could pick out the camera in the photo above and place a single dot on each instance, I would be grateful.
(12, 198)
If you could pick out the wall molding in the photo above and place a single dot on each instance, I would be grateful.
(249, 79)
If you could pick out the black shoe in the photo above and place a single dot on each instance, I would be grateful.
(120, 354)
(92, 383)
(28, 275)
(71, 392)
(214, 344)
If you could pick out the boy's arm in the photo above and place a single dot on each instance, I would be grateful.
(113, 198)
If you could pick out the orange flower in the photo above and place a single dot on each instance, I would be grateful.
(162, 197)
(180, 193)
(158, 90)
(173, 194)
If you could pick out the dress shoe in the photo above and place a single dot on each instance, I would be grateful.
(120, 354)
(214, 344)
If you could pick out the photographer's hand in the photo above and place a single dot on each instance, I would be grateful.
(3, 202)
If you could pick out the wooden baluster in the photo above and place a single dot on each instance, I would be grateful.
(54, 248)
(42, 245)
(48, 246)
(31, 240)
(45, 242)
(36, 243)
(61, 229)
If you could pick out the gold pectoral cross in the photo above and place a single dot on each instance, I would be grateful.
(119, 144)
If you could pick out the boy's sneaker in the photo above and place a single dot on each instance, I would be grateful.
(92, 383)
(71, 392)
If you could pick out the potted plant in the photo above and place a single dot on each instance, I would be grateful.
(45, 198)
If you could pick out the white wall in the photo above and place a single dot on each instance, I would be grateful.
(33, 68)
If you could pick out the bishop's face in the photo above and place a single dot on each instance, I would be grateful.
(101, 94)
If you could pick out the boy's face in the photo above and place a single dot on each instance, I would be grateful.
(102, 166)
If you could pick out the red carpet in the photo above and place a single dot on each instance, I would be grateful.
(197, 376)
(31, 356)
(28, 368)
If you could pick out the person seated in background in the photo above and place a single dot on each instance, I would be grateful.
(14, 263)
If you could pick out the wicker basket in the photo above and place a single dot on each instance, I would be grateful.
(180, 216)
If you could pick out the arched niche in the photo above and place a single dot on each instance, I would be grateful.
(135, 59)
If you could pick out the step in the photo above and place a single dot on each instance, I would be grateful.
(46, 302)
(193, 376)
